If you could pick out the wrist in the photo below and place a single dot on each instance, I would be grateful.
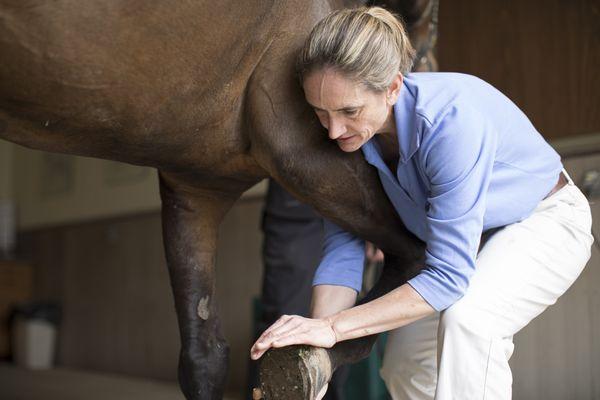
(331, 321)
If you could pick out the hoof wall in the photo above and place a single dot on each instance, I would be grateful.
(294, 373)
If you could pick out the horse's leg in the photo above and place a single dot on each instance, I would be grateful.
(191, 217)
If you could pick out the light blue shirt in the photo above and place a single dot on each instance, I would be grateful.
(470, 160)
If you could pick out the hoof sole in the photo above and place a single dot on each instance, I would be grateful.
(294, 372)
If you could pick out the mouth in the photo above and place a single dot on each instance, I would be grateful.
(345, 138)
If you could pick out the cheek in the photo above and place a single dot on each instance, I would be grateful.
(369, 127)
(360, 128)
(376, 122)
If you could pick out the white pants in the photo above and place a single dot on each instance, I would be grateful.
(463, 352)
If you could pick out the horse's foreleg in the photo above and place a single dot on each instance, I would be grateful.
(190, 221)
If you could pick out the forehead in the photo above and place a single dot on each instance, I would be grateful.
(329, 89)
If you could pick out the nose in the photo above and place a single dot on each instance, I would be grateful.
(336, 128)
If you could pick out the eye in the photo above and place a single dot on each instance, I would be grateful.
(322, 117)
(352, 112)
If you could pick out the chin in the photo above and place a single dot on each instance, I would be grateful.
(349, 148)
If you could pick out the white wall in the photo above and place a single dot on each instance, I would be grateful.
(54, 189)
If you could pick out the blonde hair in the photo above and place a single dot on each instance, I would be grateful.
(368, 44)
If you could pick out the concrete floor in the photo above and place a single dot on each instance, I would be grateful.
(66, 384)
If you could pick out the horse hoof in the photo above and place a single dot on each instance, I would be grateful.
(294, 372)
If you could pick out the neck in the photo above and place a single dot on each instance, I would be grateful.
(389, 126)
(387, 136)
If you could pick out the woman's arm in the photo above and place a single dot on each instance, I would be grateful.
(393, 310)
(399, 307)
(328, 300)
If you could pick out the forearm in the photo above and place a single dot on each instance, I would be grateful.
(329, 325)
(330, 299)
(397, 308)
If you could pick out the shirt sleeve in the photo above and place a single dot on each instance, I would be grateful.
(343, 259)
(458, 159)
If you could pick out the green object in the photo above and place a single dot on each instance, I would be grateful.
(364, 382)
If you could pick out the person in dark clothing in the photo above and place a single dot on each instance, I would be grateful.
(292, 248)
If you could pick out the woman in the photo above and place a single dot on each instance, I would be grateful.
(456, 158)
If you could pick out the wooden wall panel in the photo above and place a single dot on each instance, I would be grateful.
(543, 54)
(111, 281)
(16, 286)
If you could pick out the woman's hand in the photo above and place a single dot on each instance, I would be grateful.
(373, 254)
(294, 329)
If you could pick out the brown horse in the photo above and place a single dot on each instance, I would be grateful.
(205, 93)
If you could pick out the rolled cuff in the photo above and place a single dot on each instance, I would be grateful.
(340, 274)
(439, 295)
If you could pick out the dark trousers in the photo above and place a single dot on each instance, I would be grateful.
(292, 248)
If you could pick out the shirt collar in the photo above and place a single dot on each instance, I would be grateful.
(409, 139)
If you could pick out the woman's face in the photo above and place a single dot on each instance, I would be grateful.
(350, 112)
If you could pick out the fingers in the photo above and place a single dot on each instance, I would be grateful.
(372, 253)
(255, 353)
(295, 330)
(269, 332)
(286, 328)
(281, 341)
(257, 394)
(282, 326)
(284, 319)
(290, 339)
(379, 256)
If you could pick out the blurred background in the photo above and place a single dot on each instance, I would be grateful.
(84, 289)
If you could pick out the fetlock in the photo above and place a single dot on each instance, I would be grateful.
(202, 375)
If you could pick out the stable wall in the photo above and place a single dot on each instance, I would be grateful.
(111, 278)
(6, 170)
(107, 267)
(56, 189)
(543, 54)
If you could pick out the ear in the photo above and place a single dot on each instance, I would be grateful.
(393, 91)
